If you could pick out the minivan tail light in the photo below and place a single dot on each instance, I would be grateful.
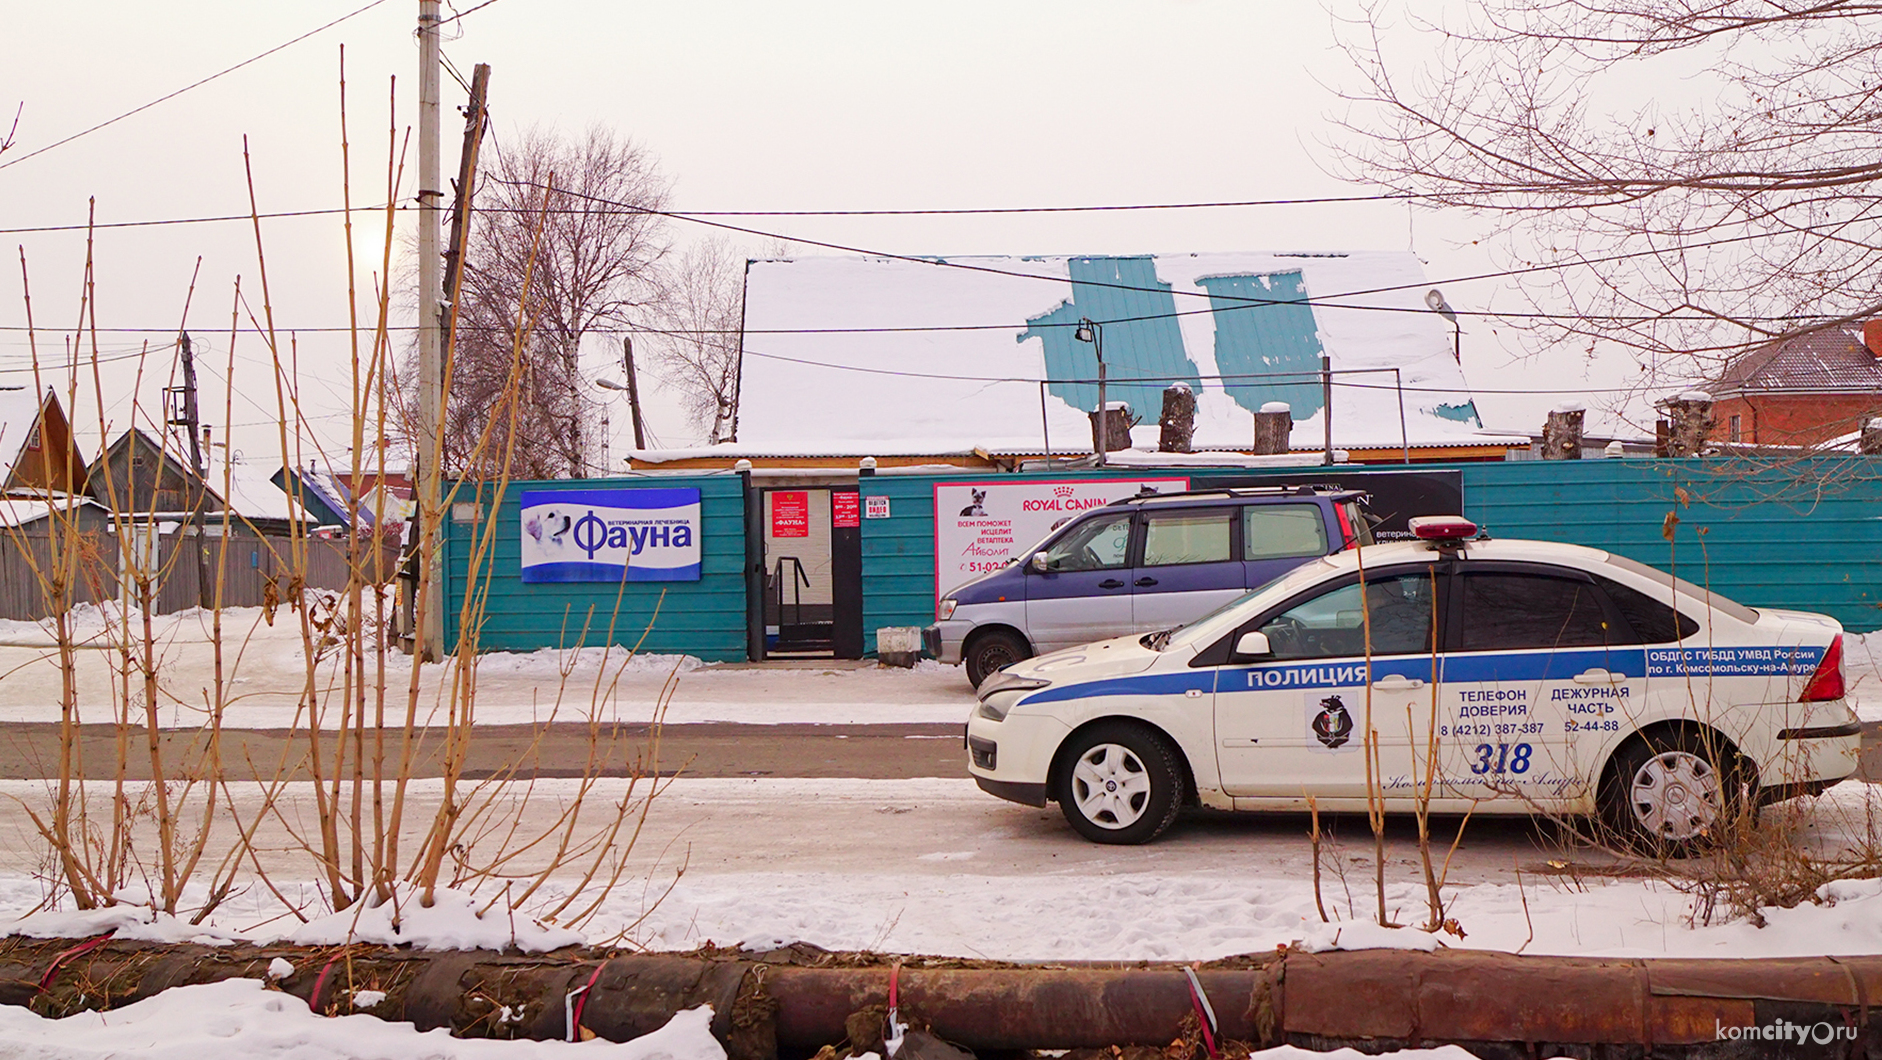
(1348, 538)
(1827, 682)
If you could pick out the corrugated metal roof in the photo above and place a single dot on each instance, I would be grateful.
(1829, 359)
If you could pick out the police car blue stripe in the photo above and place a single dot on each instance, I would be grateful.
(1137, 685)
(1461, 668)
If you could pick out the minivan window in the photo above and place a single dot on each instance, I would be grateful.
(1186, 537)
(1096, 544)
(1279, 531)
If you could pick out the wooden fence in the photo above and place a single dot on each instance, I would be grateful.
(254, 569)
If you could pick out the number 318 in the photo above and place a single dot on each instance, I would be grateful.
(1498, 758)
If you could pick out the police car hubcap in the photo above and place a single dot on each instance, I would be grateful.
(1110, 786)
(1676, 795)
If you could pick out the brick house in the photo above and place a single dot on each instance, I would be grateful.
(1804, 390)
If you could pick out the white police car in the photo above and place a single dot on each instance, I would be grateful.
(1548, 678)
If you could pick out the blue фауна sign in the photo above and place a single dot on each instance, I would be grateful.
(610, 535)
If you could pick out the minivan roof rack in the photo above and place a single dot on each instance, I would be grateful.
(1228, 492)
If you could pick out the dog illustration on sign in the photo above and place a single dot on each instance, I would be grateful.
(978, 508)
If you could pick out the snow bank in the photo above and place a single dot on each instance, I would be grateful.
(242, 1017)
(452, 922)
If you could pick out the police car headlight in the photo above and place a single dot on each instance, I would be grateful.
(1002, 692)
(995, 707)
(945, 609)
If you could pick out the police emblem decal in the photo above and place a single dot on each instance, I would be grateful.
(1332, 725)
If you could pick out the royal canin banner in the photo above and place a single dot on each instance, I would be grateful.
(980, 526)
(640, 535)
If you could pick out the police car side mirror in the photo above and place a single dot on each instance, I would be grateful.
(1040, 563)
(1253, 644)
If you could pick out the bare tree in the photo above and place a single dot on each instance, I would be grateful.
(595, 261)
(698, 335)
(1684, 177)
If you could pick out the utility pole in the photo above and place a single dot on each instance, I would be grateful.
(476, 119)
(187, 417)
(633, 390)
(429, 636)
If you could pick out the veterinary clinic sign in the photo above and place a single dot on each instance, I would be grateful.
(980, 526)
(640, 535)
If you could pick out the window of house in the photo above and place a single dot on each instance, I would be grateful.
(1734, 429)
(32, 439)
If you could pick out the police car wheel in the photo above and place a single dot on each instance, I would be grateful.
(1670, 794)
(990, 651)
(1121, 784)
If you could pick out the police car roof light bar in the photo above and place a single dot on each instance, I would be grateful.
(1442, 528)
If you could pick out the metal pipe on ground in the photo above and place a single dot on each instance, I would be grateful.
(792, 1002)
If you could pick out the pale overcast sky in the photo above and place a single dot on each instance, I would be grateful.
(815, 105)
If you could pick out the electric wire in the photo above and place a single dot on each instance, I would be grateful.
(1138, 380)
(194, 85)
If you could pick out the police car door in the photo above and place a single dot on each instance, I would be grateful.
(1540, 660)
(1293, 723)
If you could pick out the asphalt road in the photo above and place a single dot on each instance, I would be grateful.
(867, 752)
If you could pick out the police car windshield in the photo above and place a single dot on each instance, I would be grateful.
(1306, 571)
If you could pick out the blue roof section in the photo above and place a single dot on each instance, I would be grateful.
(1141, 339)
(1265, 328)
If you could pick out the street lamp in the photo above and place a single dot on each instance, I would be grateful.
(1091, 331)
(1435, 299)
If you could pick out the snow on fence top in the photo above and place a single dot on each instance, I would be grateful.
(830, 365)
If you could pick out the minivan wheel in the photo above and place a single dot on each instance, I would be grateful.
(1121, 784)
(1671, 794)
(989, 651)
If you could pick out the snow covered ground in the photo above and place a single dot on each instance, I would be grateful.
(264, 672)
(265, 675)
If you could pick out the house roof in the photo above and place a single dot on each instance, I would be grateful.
(890, 357)
(244, 488)
(20, 509)
(1828, 359)
(19, 411)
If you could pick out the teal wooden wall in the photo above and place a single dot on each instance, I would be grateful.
(1803, 534)
(704, 618)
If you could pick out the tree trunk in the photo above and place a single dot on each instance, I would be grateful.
(1116, 429)
(1561, 435)
(1178, 421)
(1274, 425)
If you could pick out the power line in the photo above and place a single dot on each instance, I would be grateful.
(1252, 377)
(188, 87)
(469, 10)
(193, 220)
(910, 212)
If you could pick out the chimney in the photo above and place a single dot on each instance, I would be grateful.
(1872, 336)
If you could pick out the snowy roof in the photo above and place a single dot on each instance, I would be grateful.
(249, 492)
(893, 357)
(18, 509)
(19, 411)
